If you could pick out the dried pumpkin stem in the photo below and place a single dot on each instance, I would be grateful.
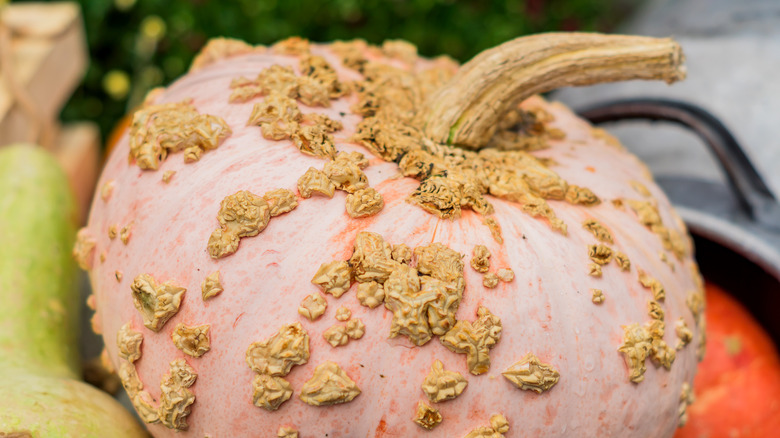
(466, 110)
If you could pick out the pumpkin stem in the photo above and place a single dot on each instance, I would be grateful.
(466, 111)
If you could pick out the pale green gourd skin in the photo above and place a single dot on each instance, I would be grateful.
(40, 391)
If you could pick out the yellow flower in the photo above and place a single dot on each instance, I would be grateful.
(153, 28)
(116, 84)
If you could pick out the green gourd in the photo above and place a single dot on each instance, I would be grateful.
(41, 394)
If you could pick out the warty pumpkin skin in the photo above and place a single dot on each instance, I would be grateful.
(546, 309)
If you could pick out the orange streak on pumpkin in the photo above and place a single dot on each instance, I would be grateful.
(435, 228)
(238, 318)
(348, 233)
(381, 429)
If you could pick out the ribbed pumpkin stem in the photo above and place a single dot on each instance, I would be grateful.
(465, 112)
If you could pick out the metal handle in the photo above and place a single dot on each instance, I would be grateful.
(748, 186)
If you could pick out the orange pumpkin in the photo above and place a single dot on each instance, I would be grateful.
(737, 387)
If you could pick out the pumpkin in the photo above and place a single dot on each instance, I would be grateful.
(41, 392)
(350, 240)
(738, 383)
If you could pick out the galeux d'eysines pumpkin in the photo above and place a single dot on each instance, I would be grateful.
(348, 240)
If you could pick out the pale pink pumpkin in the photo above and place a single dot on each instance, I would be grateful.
(546, 309)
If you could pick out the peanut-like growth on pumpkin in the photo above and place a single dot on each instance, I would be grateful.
(140, 398)
(480, 260)
(125, 233)
(107, 189)
(346, 174)
(684, 334)
(686, 399)
(600, 254)
(176, 398)
(531, 374)
(370, 294)
(343, 313)
(280, 201)
(313, 306)
(372, 258)
(599, 231)
(168, 175)
(495, 229)
(329, 385)
(315, 182)
(426, 416)
(636, 347)
(242, 214)
(355, 328)
(409, 305)
(423, 299)
(129, 342)
(622, 261)
(278, 114)
(506, 275)
(269, 392)
(113, 231)
(364, 202)
(597, 296)
(171, 127)
(272, 359)
(653, 284)
(498, 426)
(336, 335)
(648, 215)
(333, 278)
(490, 280)
(441, 385)
(642, 342)
(84, 249)
(287, 432)
(475, 339)
(276, 355)
(192, 341)
(211, 286)
(157, 303)
(696, 302)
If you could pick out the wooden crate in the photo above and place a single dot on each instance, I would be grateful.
(46, 57)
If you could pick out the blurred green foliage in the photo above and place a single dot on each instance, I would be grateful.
(139, 44)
